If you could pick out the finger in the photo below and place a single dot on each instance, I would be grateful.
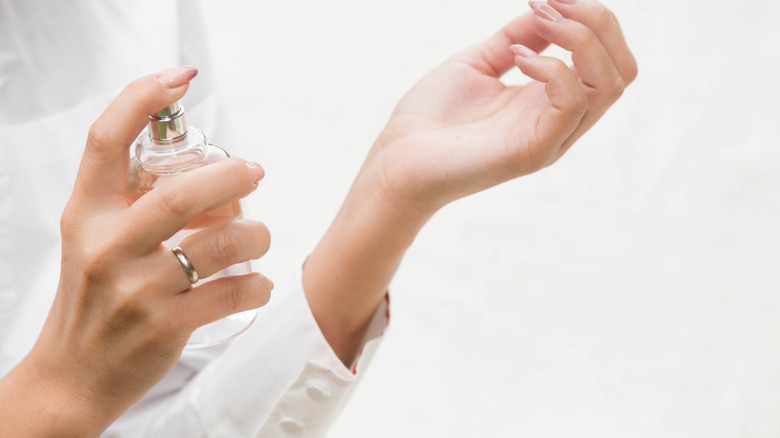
(220, 298)
(159, 214)
(225, 244)
(591, 60)
(562, 88)
(491, 58)
(606, 27)
(559, 118)
(103, 167)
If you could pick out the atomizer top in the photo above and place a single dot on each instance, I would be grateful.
(168, 123)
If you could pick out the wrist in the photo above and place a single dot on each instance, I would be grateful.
(399, 186)
(377, 200)
(36, 403)
(347, 275)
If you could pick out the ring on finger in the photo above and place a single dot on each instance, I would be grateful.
(186, 264)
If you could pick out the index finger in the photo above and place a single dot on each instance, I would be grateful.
(160, 213)
(492, 56)
(103, 168)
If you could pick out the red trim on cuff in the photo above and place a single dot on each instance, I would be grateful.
(387, 321)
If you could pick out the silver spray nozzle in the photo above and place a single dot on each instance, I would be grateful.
(168, 123)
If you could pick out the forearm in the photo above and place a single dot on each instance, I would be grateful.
(34, 404)
(347, 275)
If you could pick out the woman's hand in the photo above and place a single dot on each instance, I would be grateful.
(461, 130)
(125, 307)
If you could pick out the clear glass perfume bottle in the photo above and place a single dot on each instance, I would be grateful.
(167, 148)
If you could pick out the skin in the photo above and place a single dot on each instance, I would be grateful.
(124, 307)
(460, 130)
(111, 334)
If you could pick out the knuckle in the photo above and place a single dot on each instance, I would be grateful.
(69, 222)
(177, 201)
(163, 325)
(560, 69)
(578, 102)
(506, 36)
(94, 260)
(262, 291)
(135, 91)
(604, 18)
(581, 104)
(223, 249)
(261, 240)
(617, 87)
(128, 310)
(238, 174)
(97, 137)
(262, 298)
(585, 38)
(631, 70)
(551, 159)
(233, 298)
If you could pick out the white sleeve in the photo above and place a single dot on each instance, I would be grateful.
(279, 377)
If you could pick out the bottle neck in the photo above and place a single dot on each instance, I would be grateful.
(170, 156)
(168, 124)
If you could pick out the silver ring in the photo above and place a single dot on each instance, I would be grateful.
(192, 274)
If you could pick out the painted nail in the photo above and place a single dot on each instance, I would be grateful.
(546, 11)
(176, 77)
(521, 50)
(257, 171)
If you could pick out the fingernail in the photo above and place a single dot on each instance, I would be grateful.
(257, 171)
(546, 11)
(270, 284)
(176, 77)
(566, 2)
(521, 50)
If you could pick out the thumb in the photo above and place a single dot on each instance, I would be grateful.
(103, 167)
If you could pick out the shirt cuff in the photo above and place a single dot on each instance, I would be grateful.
(281, 375)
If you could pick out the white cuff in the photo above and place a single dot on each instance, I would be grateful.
(280, 376)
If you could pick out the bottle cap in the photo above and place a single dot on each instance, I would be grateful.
(168, 123)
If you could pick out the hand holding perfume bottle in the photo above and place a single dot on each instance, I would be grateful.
(170, 147)
(125, 306)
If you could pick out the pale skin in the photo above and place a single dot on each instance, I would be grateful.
(460, 130)
(111, 334)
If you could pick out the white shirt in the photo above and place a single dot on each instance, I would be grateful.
(61, 63)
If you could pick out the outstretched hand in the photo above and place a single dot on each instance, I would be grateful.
(461, 130)
(458, 131)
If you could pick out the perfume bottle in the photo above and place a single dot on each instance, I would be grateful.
(165, 149)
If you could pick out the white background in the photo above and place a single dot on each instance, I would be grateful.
(629, 290)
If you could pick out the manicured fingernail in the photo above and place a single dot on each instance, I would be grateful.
(567, 2)
(257, 171)
(176, 77)
(546, 11)
(521, 50)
